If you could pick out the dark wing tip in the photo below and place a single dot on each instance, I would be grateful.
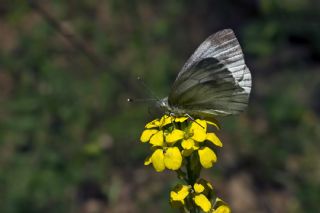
(222, 36)
(225, 31)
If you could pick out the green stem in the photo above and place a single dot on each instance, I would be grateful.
(191, 181)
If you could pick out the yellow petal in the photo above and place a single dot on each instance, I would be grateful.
(165, 120)
(203, 202)
(199, 136)
(221, 207)
(199, 130)
(146, 135)
(205, 183)
(153, 124)
(147, 161)
(173, 158)
(214, 124)
(210, 187)
(157, 160)
(207, 157)
(187, 144)
(179, 193)
(181, 119)
(203, 187)
(200, 124)
(198, 188)
(157, 139)
(174, 136)
(214, 139)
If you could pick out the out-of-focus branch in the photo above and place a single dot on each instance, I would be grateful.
(74, 40)
(79, 44)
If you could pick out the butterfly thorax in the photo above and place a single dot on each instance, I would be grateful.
(171, 110)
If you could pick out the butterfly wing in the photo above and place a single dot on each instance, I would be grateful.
(214, 80)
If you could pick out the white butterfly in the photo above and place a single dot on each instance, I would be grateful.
(215, 80)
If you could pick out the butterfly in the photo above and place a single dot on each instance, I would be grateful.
(214, 81)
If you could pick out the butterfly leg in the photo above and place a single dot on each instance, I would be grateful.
(173, 116)
(191, 118)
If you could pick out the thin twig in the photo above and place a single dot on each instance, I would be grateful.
(74, 40)
(80, 45)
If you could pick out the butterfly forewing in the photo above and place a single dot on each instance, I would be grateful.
(215, 80)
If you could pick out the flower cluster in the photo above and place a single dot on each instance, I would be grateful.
(201, 194)
(185, 146)
(174, 139)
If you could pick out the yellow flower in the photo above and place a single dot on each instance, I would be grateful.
(169, 158)
(204, 187)
(179, 193)
(203, 202)
(154, 133)
(174, 139)
(203, 192)
(169, 135)
(221, 207)
(198, 188)
(194, 136)
(201, 195)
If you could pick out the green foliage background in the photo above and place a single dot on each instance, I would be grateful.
(69, 140)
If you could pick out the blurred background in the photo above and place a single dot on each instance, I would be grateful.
(69, 141)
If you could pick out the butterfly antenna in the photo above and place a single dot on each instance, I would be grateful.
(141, 100)
(150, 92)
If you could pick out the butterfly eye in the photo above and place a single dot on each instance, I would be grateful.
(162, 103)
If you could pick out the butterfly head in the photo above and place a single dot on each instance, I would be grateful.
(163, 104)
